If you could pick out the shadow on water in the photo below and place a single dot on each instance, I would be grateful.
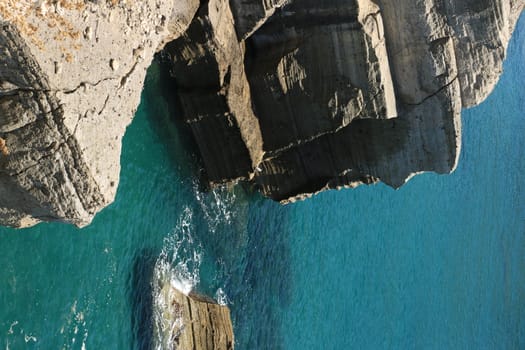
(243, 237)
(263, 289)
(160, 93)
(141, 298)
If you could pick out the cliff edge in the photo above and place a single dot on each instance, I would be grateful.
(337, 93)
(296, 97)
(71, 75)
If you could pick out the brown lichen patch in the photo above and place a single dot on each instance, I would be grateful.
(71, 5)
(66, 54)
(65, 29)
(51, 12)
(69, 58)
(3, 147)
(113, 3)
(16, 11)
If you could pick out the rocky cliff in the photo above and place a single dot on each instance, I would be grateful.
(71, 74)
(340, 93)
(295, 97)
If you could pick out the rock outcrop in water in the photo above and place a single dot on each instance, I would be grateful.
(192, 322)
(294, 96)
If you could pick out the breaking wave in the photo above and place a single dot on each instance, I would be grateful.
(221, 297)
(200, 228)
(176, 267)
(217, 205)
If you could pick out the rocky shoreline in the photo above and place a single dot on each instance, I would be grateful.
(293, 97)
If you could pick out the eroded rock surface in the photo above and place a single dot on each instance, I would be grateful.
(343, 92)
(191, 322)
(294, 96)
(71, 74)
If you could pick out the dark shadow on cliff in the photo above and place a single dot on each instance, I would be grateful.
(141, 299)
(163, 114)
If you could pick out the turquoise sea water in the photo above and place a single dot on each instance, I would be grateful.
(438, 264)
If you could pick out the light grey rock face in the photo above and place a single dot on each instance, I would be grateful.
(481, 42)
(294, 96)
(71, 74)
(44, 176)
(445, 39)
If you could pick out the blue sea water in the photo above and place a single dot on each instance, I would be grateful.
(438, 264)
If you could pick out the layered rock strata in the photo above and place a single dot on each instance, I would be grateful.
(343, 92)
(294, 96)
(191, 322)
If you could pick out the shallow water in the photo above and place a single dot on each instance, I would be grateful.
(438, 264)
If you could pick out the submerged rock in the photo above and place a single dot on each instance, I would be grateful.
(294, 96)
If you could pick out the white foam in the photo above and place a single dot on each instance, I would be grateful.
(177, 266)
(29, 337)
(221, 297)
(74, 328)
(217, 205)
(180, 258)
(10, 331)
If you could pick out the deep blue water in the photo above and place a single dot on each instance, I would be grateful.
(438, 264)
